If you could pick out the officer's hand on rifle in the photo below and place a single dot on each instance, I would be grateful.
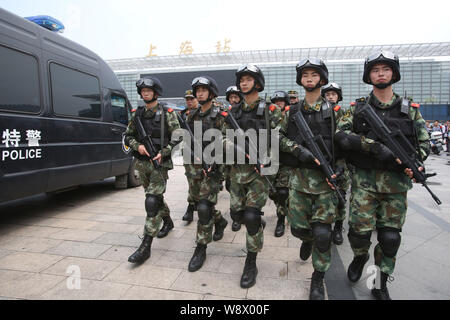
(143, 151)
(383, 153)
(410, 173)
(334, 176)
(304, 155)
(158, 158)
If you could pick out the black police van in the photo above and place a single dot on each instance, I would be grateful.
(62, 113)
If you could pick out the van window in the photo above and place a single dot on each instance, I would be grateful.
(19, 85)
(75, 93)
(119, 109)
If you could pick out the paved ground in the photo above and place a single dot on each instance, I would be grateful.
(45, 240)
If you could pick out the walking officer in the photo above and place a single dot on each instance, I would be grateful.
(380, 183)
(159, 123)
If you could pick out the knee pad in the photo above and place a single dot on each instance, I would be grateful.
(300, 233)
(359, 240)
(237, 216)
(322, 236)
(282, 196)
(152, 205)
(252, 220)
(204, 209)
(389, 240)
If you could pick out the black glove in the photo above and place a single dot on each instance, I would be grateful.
(382, 152)
(348, 142)
(303, 154)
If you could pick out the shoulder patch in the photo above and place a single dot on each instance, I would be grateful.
(337, 108)
(287, 108)
(133, 110)
(415, 105)
(272, 108)
(170, 110)
(353, 104)
(225, 114)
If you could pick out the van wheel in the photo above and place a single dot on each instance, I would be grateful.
(133, 175)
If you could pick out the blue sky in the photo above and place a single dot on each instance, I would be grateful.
(117, 29)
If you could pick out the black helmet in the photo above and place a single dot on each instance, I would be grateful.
(233, 89)
(332, 86)
(312, 63)
(252, 70)
(280, 95)
(207, 82)
(149, 82)
(383, 56)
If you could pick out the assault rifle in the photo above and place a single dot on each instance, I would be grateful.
(312, 144)
(248, 144)
(148, 143)
(398, 144)
(206, 168)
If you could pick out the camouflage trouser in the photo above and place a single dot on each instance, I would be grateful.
(372, 210)
(191, 195)
(253, 194)
(305, 209)
(154, 182)
(341, 209)
(282, 181)
(206, 188)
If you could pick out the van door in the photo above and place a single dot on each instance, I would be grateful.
(23, 132)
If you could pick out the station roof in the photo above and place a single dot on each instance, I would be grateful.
(277, 56)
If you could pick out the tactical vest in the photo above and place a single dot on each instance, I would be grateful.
(321, 124)
(396, 117)
(208, 121)
(155, 126)
(256, 118)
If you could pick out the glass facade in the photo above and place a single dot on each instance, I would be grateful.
(425, 80)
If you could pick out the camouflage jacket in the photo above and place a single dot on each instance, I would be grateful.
(245, 173)
(172, 123)
(384, 181)
(306, 180)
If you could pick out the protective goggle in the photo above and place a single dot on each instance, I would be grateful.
(386, 54)
(232, 89)
(145, 82)
(313, 61)
(201, 80)
(332, 85)
(248, 67)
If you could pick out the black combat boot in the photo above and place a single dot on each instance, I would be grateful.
(189, 215)
(279, 229)
(337, 233)
(356, 268)
(143, 252)
(382, 293)
(236, 226)
(248, 278)
(219, 227)
(198, 258)
(317, 291)
(306, 250)
(168, 225)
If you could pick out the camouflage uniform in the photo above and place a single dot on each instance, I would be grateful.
(249, 189)
(154, 181)
(379, 197)
(203, 187)
(311, 200)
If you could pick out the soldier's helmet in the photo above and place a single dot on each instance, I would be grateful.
(252, 70)
(189, 94)
(332, 86)
(233, 89)
(205, 81)
(149, 82)
(312, 63)
(382, 57)
(280, 95)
